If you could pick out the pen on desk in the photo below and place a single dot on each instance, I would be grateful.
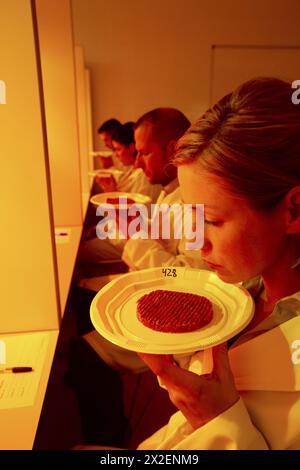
(17, 370)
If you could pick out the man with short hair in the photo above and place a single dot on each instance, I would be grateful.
(156, 134)
(106, 131)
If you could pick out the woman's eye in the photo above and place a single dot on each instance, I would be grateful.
(212, 222)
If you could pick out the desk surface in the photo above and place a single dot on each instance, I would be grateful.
(19, 425)
(67, 243)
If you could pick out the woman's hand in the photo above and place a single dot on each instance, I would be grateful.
(199, 398)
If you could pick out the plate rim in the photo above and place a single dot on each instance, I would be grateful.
(112, 337)
(146, 201)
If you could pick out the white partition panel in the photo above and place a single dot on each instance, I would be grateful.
(27, 277)
(89, 117)
(82, 118)
(58, 70)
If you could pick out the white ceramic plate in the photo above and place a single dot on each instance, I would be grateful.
(113, 310)
(101, 198)
(102, 153)
(106, 172)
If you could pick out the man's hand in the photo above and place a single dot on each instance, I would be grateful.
(108, 184)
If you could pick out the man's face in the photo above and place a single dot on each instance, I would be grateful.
(106, 139)
(152, 155)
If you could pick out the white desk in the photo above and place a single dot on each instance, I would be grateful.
(19, 425)
(66, 249)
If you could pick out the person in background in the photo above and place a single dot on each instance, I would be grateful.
(122, 143)
(156, 134)
(241, 159)
(132, 179)
(106, 130)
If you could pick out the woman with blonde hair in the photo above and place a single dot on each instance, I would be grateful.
(242, 160)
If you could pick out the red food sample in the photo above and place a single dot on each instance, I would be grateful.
(115, 200)
(174, 312)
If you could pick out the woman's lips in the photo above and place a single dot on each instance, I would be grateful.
(213, 265)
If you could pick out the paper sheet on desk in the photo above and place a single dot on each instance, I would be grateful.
(29, 349)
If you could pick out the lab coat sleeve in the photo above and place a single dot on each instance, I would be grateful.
(267, 414)
(150, 253)
(232, 430)
(137, 182)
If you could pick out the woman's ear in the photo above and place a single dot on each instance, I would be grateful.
(292, 204)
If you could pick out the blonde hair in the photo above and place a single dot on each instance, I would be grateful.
(250, 138)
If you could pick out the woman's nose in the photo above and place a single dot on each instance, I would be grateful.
(206, 248)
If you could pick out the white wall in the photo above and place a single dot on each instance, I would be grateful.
(235, 65)
(148, 53)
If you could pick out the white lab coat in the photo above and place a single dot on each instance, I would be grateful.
(267, 415)
(134, 180)
(147, 253)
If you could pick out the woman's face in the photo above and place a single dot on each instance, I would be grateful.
(124, 152)
(239, 242)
